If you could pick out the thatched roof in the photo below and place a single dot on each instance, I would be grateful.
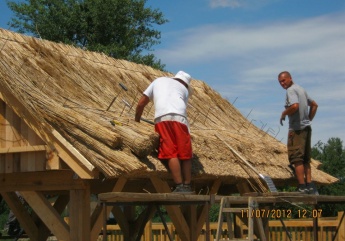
(66, 90)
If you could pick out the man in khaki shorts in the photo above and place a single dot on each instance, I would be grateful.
(300, 109)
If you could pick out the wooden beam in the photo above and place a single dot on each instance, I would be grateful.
(73, 158)
(22, 214)
(138, 228)
(47, 214)
(97, 216)
(59, 205)
(16, 149)
(203, 213)
(40, 181)
(121, 220)
(174, 212)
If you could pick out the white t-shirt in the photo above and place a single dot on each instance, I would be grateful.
(169, 97)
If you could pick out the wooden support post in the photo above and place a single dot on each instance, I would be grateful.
(105, 217)
(203, 214)
(341, 231)
(315, 226)
(220, 219)
(79, 213)
(192, 221)
(208, 228)
(251, 207)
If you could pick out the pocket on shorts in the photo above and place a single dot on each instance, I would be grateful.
(295, 152)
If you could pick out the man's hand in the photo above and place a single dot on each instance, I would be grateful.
(282, 118)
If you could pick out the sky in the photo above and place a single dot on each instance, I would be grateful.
(238, 47)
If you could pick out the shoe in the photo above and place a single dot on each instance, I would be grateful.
(303, 190)
(183, 189)
(312, 189)
(13, 231)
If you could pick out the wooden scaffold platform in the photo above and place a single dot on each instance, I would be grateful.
(255, 209)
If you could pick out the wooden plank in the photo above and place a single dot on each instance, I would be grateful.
(47, 214)
(23, 149)
(66, 151)
(2, 134)
(72, 157)
(9, 139)
(292, 198)
(148, 197)
(24, 157)
(39, 158)
(40, 181)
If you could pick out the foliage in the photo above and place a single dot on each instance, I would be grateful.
(123, 29)
(4, 210)
(332, 157)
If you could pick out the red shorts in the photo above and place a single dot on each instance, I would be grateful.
(174, 140)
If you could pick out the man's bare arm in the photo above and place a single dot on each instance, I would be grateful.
(312, 110)
(144, 100)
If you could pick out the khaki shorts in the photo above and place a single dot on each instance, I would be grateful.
(299, 145)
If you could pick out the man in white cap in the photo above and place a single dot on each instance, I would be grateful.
(170, 98)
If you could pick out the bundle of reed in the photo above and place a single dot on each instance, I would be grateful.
(111, 163)
(139, 137)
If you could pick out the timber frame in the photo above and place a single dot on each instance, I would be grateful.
(67, 190)
(52, 176)
(40, 166)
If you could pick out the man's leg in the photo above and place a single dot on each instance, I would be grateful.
(175, 169)
(307, 172)
(187, 171)
(299, 170)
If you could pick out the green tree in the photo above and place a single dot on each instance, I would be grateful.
(123, 29)
(332, 156)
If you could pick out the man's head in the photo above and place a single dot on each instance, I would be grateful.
(285, 79)
(186, 78)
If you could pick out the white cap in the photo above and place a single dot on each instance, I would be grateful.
(183, 76)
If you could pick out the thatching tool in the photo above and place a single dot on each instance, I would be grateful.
(126, 104)
(141, 118)
(147, 121)
(115, 123)
(267, 179)
(123, 87)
